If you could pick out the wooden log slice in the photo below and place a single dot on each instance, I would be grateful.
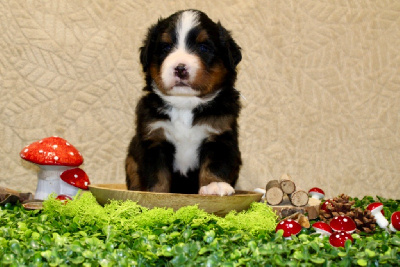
(287, 184)
(299, 198)
(274, 193)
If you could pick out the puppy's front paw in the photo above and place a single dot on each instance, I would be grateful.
(217, 188)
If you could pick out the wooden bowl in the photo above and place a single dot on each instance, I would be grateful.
(219, 205)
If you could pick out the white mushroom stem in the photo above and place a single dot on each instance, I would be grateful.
(67, 189)
(261, 191)
(322, 232)
(316, 195)
(391, 228)
(49, 180)
(380, 219)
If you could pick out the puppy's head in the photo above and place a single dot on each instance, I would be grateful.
(187, 54)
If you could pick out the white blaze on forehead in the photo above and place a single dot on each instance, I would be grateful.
(187, 21)
(181, 55)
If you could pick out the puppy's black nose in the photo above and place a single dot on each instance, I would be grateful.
(181, 71)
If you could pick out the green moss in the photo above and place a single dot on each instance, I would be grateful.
(193, 214)
(130, 215)
(258, 218)
(122, 233)
(84, 209)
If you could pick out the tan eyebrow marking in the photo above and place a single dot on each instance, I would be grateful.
(166, 38)
(202, 37)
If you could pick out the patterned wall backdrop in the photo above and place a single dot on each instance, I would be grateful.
(320, 82)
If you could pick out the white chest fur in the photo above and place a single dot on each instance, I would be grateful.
(185, 137)
(181, 132)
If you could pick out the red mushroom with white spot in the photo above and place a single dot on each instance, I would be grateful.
(64, 198)
(290, 227)
(72, 180)
(322, 228)
(325, 205)
(316, 193)
(343, 223)
(376, 211)
(53, 155)
(338, 239)
(395, 221)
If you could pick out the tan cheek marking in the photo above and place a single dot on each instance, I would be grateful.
(207, 82)
(218, 75)
(156, 76)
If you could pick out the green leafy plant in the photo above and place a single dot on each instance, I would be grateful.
(390, 205)
(83, 233)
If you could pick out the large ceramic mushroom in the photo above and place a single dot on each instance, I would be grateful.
(53, 155)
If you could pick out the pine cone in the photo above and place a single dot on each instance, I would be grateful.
(365, 222)
(342, 205)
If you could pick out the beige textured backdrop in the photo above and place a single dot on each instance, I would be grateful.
(321, 81)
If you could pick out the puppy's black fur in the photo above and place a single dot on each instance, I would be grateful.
(151, 163)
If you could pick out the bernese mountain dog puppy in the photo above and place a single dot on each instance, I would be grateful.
(186, 137)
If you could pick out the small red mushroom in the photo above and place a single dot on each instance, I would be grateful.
(338, 239)
(376, 211)
(63, 198)
(53, 155)
(395, 221)
(316, 193)
(290, 227)
(322, 228)
(72, 180)
(324, 205)
(343, 223)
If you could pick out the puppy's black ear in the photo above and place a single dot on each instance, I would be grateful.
(147, 50)
(233, 56)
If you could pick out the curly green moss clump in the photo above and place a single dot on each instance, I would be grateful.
(258, 218)
(85, 210)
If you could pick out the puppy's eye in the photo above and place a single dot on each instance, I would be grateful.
(204, 48)
(166, 47)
